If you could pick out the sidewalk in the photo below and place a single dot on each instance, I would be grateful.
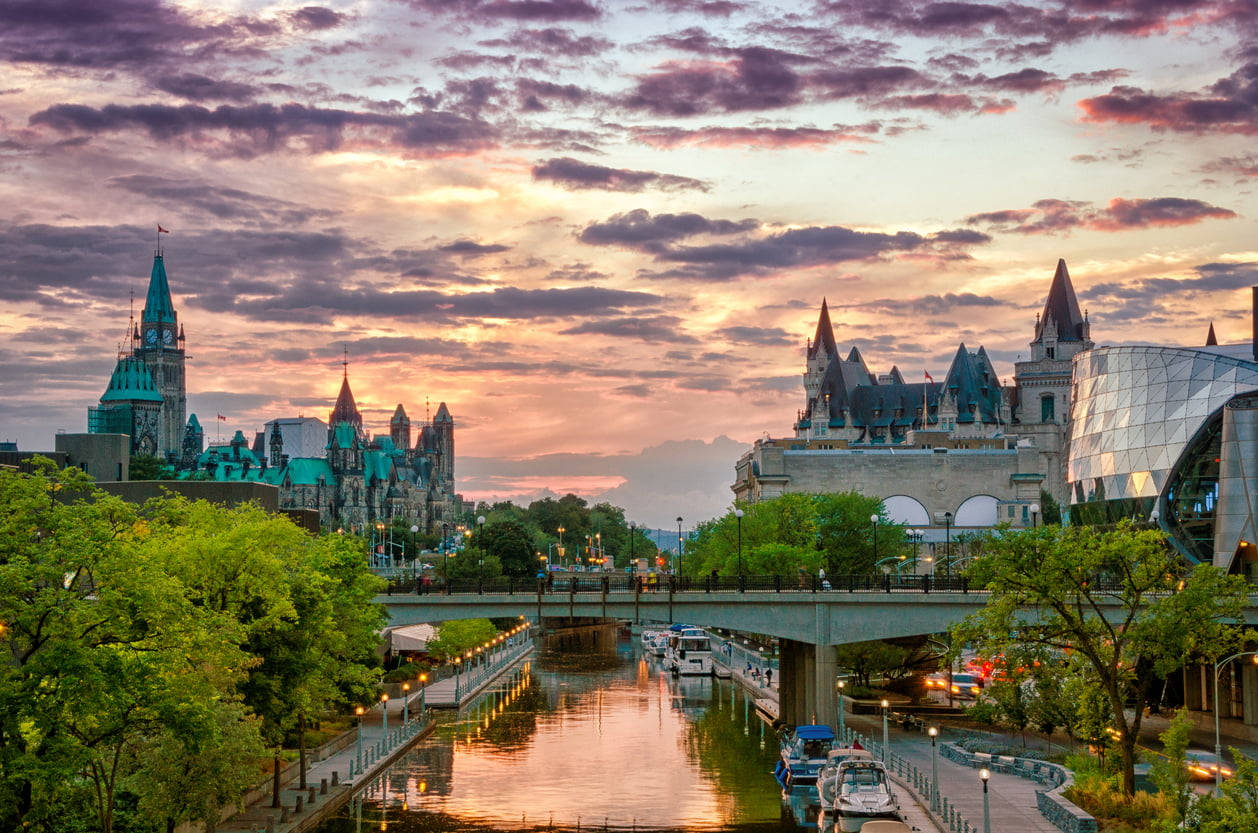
(1011, 798)
(441, 694)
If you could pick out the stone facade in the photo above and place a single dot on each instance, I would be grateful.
(967, 451)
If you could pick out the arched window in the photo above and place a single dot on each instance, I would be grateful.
(902, 509)
(979, 510)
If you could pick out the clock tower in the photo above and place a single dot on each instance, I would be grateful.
(159, 342)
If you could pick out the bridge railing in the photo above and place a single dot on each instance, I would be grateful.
(566, 584)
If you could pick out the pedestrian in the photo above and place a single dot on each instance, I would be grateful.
(768, 676)
(748, 671)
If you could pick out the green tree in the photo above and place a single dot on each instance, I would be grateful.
(510, 543)
(1119, 599)
(1050, 509)
(1168, 771)
(1237, 808)
(459, 636)
(869, 659)
(149, 467)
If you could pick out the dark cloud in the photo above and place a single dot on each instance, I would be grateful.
(550, 11)
(660, 328)
(200, 88)
(1230, 105)
(638, 229)
(465, 60)
(253, 129)
(756, 137)
(176, 196)
(1143, 299)
(317, 18)
(572, 173)
(551, 41)
(1242, 166)
(756, 79)
(928, 304)
(470, 248)
(1054, 216)
(534, 94)
(712, 8)
(759, 336)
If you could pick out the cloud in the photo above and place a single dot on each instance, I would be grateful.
(638, 229)
(756, 137)
(1054, 216)
(253, 129)
(550, 41)
(1243, 166)
(712, 8)
(179, 195)
(928, 304)
(759, 336)
(200, 88)
(317, 18)
(470, 248)
(660, 328)
(1230, 105)
(572, 173)
(531, 10)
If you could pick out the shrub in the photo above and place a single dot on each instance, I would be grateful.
(984, 713)
(1098, 793)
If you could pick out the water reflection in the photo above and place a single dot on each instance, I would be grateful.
(624, 748)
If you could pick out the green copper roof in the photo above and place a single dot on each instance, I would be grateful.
(343, 436)
(131, 382)
(158, 306)
(306, 471)
(193, 423)
(376, 464)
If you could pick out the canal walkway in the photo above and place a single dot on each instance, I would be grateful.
(454, 691)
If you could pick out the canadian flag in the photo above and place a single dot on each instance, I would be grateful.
(928, 379)
(161, 230)
(223, 418)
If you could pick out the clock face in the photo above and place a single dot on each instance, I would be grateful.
(151, 336)
(167, 336)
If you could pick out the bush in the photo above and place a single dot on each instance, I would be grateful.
(1098, 793)
(984, 713)
(405, 672)
(992, 745)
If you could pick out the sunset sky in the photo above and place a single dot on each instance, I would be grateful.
(601, 230)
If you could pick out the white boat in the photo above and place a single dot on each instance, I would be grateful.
(648, 638)
(689, 652)
(828, 776)
(803, 754)
(862, 793)
(659, 643)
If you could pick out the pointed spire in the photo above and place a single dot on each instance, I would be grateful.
(1211, 341)
(399, 416)
(1062, 308)
(158, 308)
(345, 409)
(443, 414)
(824, 338)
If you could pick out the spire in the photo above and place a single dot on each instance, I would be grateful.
(158, 308)
(345, 410)
(443, 414)
(1062, 308)
(1211, 341)
(399, 416)
(824, 338)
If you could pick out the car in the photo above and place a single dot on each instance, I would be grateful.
(966, 686)
(1203, 765)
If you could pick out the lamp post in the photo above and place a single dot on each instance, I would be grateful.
(948, 544)
(873, 520)
(934, 770)
(632, 531)
(423, 689)
(987, 812)
(886, 731)
(384, 712)
(406, 702)
(1035, 513)
(414, 531)
(678, 545)
(842, 720)
(480, 549)
(358, 753)
(458, 661)
(445, 543)
(738, 516)
(1218, 747)
(561, 532)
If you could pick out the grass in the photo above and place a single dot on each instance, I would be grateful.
(1097, 792)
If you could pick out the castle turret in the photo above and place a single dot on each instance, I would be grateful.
(443, 426)
(277, 444)
(160, 345)
(400, 429)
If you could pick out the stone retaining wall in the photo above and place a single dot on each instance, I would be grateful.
(1052, 805)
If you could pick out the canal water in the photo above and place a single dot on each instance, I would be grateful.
(592, 742)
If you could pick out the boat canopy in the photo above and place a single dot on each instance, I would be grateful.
(814, 732)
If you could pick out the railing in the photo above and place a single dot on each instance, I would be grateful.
(621, 583)
(917, 780)
(468, 681)
(739, 657)
(368, 756)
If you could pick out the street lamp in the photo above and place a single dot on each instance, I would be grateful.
(358, 755)
(738, 516)
(948, 544)
(934, 770)
(414, 531)
(406, 702)
(561, 532)
(632, 531)
(873, 519)
(987, 812)
(886, 731)
(679, 544)
(1218, 747)
(1035, 513)
(423, 689)
(384, 712)
(842, 720)
(480, 550)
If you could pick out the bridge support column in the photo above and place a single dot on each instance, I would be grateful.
(826, 667)
(795, 669)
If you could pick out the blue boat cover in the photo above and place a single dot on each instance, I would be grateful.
(814, 733)
(680, 627)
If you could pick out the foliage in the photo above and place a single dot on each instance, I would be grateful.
(886, 660)
(797, 531)
(984, 712)
(154, 650)
(1158, 612)
(509, 542)
(460, 636)
(541, 521)
(1237, 808)
(149, 467)
(1100, 795)
(1050, 509)
(1168, 770)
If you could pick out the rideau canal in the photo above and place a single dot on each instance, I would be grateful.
(589, 742)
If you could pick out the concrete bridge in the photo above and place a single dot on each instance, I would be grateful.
(807, 622)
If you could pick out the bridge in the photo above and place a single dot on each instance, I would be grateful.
(806, 615)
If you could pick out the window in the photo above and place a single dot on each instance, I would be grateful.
(1049, 351)
(1048, 408)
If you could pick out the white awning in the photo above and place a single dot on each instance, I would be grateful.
(412, 637)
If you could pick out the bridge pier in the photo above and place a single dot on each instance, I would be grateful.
(806, 683)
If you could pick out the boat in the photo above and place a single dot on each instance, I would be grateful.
(689, 651)
(659, 643)
(648, 638)
(804, 752)
(862, 793)
(827, 777)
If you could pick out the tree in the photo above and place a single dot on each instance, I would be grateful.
(867, 659)
(149, 467)
(1050, 509)
(1169, 771)
(460, 636)
(1119, 599)
(1237, 808)
(509, 542)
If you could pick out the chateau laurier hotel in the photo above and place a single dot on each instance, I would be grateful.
(337, 468)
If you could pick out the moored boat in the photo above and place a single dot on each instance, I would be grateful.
(862, 793)
(827, 777)
(804, 752)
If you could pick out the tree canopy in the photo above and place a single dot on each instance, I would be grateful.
(1118, 603)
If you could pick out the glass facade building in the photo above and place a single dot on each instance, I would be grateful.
(1146, 434)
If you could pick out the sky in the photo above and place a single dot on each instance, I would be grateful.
(601, 231)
